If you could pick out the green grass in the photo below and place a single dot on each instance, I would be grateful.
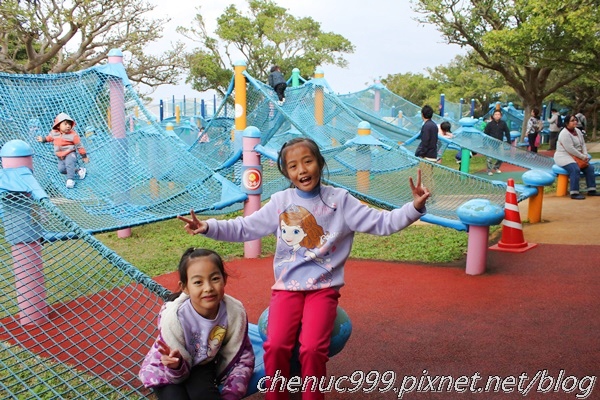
(37, 376)
(155, 248)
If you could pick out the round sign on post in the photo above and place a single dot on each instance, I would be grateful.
(252, 179)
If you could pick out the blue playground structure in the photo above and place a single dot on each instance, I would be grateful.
(86, 330)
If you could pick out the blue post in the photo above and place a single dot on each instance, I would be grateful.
(184, 113)
(460, 107)
(215, 105)
(393, 112)
(173, 105)
(442, 101)
(161, 110)
(544, 111)
(195, 106)
(202, 109)
(472, 108)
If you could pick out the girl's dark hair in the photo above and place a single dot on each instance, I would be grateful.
(312, 146)
(274, 68)
(536, 112)
(314, 149)
(193, 253)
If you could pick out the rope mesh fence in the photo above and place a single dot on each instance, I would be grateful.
(75, 319)
(138, 172)
(388, 111)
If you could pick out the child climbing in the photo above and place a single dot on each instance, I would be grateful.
(66, 141)
(277, 82)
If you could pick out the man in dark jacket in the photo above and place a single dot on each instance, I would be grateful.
(496, 128)
(427, 149)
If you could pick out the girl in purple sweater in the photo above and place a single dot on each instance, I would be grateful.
(315, 226)
(203, 337)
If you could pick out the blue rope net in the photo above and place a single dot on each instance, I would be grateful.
(75, 319)
(375, 170)
(85, 333)
(388, 111)
(138, 172)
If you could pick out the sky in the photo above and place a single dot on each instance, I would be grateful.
(387, 38)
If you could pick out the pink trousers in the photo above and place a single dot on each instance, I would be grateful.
(316, 311)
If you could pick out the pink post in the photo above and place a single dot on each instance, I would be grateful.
(377, 101)
(117, 115)
(28, 268)
(479, 215)
(251, 183)
(477, 249)
(26, 249)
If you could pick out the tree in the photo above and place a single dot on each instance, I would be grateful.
(525, 41)
(460, 78)
(416, 88)
(583, 94)
(46, 36)
(268, 35)
(464, 78)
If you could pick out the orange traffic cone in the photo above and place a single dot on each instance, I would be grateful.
(512, 231)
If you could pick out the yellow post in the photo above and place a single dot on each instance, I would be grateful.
(562, 183)
(177, 114)
(136, 111)
(240, 95)
(534, 211)
(154, 188)
(363, 156)
(319, 99)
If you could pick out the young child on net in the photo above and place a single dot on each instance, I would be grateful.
(66, 141)
(277, 82)
(314, 225)
(203, 336)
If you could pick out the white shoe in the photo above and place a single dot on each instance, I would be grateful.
(70, 183)
(490, 173)
(283, 100)
(280, 102)
(81, 173)
(498, 171)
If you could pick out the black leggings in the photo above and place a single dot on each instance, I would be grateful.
(201, 384)
(531, 137)
(280, 90)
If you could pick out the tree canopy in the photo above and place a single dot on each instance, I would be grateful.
(538, 46)
(46, 36)
(266, 35)
(461, 78)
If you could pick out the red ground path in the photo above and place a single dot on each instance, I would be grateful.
(529, 312)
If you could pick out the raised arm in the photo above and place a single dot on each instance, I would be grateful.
(193, 225)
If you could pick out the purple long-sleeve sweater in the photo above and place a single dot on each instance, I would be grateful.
(314, 233)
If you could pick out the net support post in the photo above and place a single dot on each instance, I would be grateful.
(117, 122)
(478, 215)
(251, 183)
(537, 179)
(24, 236)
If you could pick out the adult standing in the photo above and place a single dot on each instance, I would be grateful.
(554, 127)
(498, 129)
(570, 148)
(534, 129)
(427, 149)
(581, 121)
